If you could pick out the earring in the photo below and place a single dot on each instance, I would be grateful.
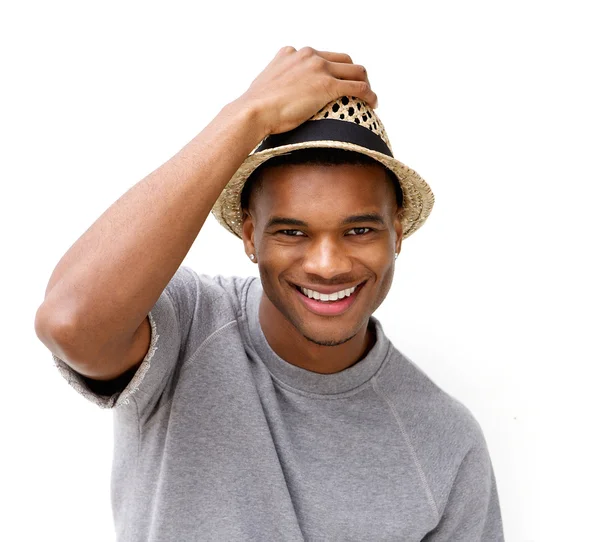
(396, 257)
(251, 257)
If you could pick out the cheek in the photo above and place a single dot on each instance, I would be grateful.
(381, 264)
(273, 264)
(384, 285)
(279, 255)
(375, 257)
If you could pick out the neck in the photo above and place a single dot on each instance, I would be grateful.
(289, 344)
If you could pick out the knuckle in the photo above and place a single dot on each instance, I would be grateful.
(306, 52)
(362, 87)
(346, 58)
(317, 62)
(287, 49)
(362, 71)
(329, 83)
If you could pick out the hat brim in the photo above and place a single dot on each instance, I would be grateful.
(418, 198)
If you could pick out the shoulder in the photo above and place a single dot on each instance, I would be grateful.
(216, 296)
(204, 304)
(426, 407)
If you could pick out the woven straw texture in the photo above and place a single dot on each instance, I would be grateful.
(418, 197)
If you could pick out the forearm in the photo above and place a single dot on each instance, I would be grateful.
(107, 282)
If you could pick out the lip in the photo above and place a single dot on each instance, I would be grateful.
(329, 308)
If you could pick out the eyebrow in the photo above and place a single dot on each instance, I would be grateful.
(368, 217)
(285, 221)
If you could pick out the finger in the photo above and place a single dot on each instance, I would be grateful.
(360, 89)
(350, 72)
(335, 57)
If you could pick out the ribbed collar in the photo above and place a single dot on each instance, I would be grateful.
(302, 379)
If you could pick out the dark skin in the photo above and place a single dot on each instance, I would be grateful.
(333, 248)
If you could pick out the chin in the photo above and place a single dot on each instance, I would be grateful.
(326, 332)
(329, 341)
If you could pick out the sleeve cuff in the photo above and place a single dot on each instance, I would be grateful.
(77, 381)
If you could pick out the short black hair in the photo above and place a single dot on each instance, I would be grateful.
(316, 156)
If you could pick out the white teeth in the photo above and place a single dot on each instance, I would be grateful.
(328, 297)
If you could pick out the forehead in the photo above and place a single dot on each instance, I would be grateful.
(320, 191)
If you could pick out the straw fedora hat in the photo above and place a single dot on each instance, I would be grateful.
(346, 123)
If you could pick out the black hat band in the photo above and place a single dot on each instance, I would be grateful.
(328, 130)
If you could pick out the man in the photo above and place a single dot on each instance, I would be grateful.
(271, 409)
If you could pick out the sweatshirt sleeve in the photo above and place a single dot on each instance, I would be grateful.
(170, 320)
(472, 511)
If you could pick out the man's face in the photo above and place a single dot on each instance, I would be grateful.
(326, 229)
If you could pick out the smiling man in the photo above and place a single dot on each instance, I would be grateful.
(271, 408)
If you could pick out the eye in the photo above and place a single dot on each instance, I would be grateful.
(291, 233)
(360, 231)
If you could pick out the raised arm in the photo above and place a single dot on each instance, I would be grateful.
(94, 315)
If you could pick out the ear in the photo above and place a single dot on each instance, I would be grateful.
(399, 231)
(248, 232)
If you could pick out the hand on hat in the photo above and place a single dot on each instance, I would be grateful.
(298, 83)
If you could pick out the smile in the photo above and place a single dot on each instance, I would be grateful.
(328, 304)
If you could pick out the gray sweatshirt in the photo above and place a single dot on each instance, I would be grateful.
(217, 438)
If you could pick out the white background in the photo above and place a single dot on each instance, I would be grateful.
(495, 297)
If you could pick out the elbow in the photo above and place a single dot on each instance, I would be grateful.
(56, 330)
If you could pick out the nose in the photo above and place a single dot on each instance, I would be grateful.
(326, 258)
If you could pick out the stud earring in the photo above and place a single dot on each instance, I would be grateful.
(396, 256)
(252, 257)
